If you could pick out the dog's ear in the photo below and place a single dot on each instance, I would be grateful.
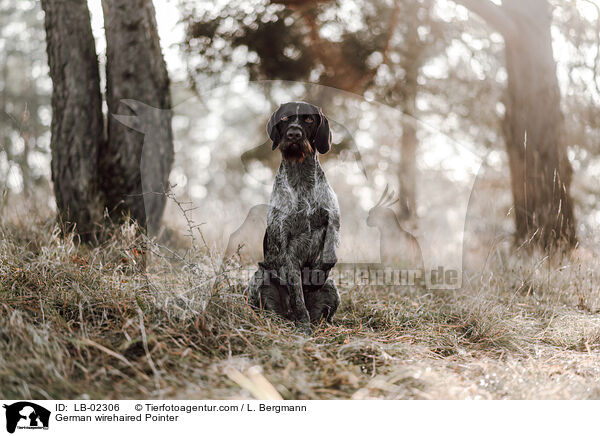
(271, 130)
(322, 140)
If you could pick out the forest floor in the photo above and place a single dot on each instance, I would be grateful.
(82, 323)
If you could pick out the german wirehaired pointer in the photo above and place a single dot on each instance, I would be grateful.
(302, 224)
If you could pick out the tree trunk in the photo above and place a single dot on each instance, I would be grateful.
(533, 128)
(77, 126)
(136, 164)
(408, 161)
(408, 170)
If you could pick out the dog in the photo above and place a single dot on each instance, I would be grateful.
(303, 222)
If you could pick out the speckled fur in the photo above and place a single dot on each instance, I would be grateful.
(300, 241)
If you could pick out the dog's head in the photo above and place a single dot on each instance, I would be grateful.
(299, 128)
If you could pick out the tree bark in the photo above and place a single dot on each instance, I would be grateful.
(533, 125)
(77, 125)
(408, 167)
(409, 142)
(533, 128)
(135, 165)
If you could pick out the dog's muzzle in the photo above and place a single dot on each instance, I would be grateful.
(294, 134)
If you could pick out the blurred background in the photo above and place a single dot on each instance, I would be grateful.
(414, 90)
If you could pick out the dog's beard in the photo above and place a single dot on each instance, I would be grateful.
(296, 152)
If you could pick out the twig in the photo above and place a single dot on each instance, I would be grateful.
(148, 355)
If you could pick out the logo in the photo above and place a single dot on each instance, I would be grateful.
(26, 415)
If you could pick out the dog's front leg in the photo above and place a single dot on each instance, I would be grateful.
(301, 316)
(328, 256)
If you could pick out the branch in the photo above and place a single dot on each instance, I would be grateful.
(494, 15)
(390, 33)
(319, 47)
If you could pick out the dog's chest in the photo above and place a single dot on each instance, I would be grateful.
(307, 213)
(303, 217)
(305, 234)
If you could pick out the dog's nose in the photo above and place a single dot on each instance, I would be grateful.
(294, 134)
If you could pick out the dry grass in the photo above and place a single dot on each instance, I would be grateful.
(85, 323)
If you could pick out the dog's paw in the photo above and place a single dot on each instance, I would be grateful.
(304, 324)
(306, 329)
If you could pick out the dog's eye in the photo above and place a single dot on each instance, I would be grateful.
(284, 118)
(308, 120)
